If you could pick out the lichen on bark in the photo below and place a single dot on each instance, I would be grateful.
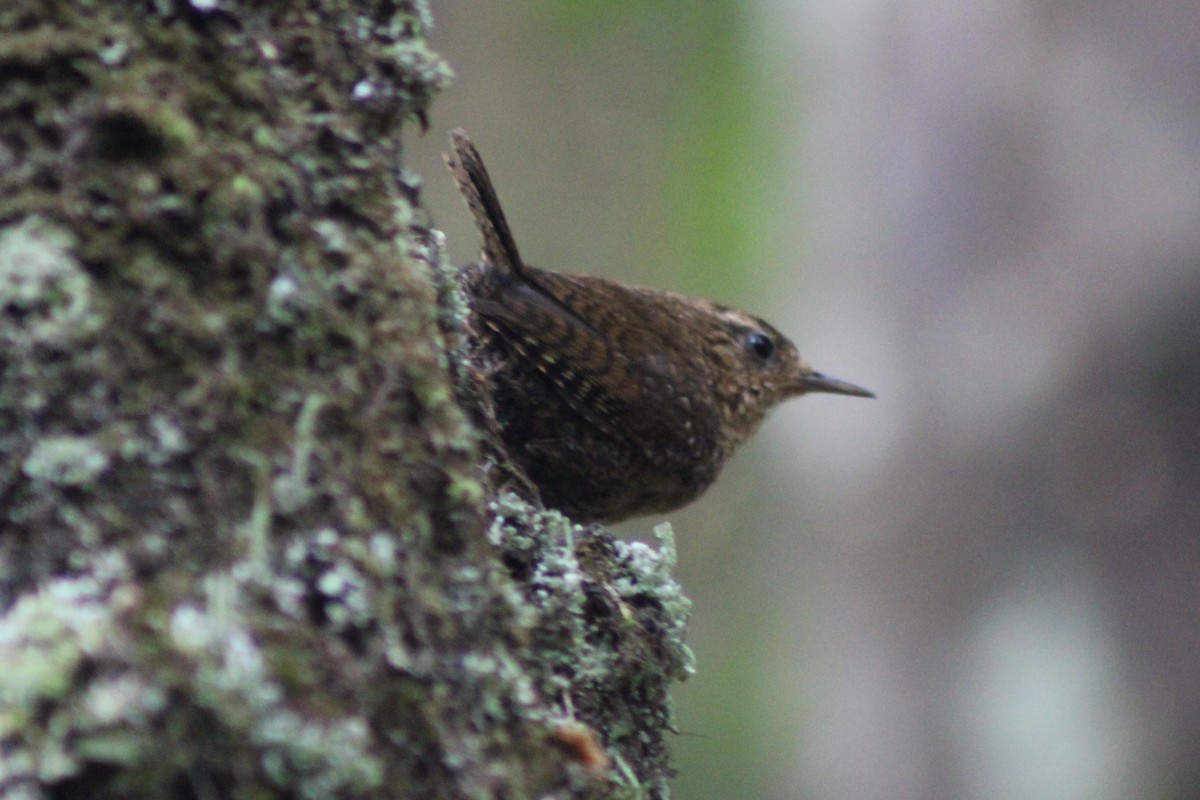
(247, 547)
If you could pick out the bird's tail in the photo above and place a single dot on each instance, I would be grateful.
(499, 247)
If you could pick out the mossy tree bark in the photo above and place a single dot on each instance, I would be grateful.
(246, 548)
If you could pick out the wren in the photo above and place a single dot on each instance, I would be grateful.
(615, 401)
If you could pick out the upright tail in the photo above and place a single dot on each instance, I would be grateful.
(499, 247)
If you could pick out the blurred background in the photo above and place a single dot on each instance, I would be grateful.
(985, 583)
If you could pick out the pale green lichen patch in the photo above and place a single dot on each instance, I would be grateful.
(232, 677)
(331, 579)
(45, 297)
(606, 621)
(47, 640)
(44, 638)
(66, 460)
(650, 575)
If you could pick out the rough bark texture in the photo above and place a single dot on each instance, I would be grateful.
(247, 550)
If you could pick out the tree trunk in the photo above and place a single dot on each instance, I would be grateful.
(247, 547)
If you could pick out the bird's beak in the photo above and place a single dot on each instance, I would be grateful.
(816, 382)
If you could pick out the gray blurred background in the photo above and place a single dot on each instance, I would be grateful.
(986, 583)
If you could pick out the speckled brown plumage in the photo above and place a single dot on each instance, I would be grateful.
(616, 401)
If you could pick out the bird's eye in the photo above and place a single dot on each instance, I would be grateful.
(761, 345)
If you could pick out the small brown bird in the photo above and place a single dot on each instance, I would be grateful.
(616, 401)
